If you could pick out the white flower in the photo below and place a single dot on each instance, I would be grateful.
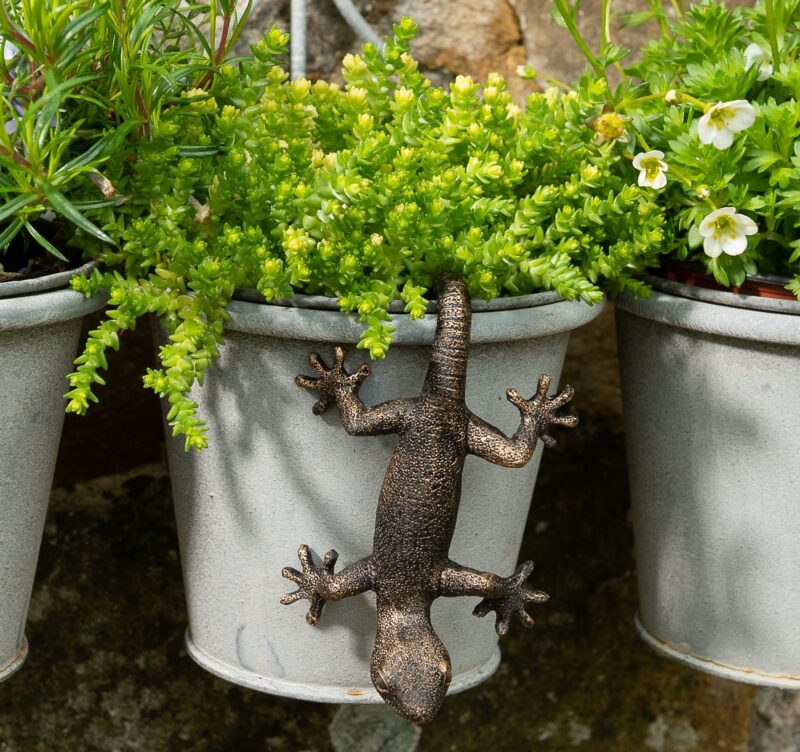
(651, 166)
(9, 50)
(725, 231)
(526, 72)
(724, 119)
(755, 55)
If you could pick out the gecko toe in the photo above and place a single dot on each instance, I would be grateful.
(525, 618)
(543, 386)
(290, 573)
(548, 440)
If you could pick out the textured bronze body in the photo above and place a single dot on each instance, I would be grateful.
(409, 566)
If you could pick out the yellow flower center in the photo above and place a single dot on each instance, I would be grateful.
(724, 226)
(651, 167)
(721, 117)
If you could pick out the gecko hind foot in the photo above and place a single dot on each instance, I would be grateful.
(313, 582)
(542, 409)
(516, 593)
(328, 380)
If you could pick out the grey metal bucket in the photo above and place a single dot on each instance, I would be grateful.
(711, 395)
(275, 476)
(39, 329)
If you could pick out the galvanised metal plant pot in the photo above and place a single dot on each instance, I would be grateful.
(711, 390)
(275, 476)
(40, 324)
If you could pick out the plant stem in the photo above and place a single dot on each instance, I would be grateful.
(560, 84)
(16, 35)
(683, 96)
(143, 113)
(16, 156)
(677, 6)
(569, 21)
(220, 55)
(605, 25)
(647, 98)
(769, 10)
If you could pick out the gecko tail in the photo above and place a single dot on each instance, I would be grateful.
(447, 371)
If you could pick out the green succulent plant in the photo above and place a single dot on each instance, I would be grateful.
(365, 193)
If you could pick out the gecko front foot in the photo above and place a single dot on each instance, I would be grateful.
(331, 379)
(541, 409)
(314, 583)
(516, 593)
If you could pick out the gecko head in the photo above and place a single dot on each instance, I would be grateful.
(410, 667)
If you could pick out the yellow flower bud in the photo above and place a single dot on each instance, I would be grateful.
(404, 97)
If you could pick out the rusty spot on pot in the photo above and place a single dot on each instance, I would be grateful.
(20, 654)
(354, 693)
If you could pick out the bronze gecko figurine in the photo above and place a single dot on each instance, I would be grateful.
(409, 566)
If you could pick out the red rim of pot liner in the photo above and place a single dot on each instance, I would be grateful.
(694, 276)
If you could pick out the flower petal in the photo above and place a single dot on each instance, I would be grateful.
(734, 245)
(723, 138)
(745, 225)
(705, 130)
(712, 247)
(742, 116)
(754, 54)
(659, 181)
(9, 50)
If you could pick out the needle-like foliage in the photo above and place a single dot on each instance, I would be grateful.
(82, 86)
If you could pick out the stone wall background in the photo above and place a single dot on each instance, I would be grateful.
(107, 669)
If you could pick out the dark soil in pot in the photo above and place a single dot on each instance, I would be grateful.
(26, 259)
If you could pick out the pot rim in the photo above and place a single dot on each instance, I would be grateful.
(728, 298)
(42, 306)
(16, 288)
(325, 303)
(516, 318)
(717, 312)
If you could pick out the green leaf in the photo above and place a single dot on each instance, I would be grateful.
(199, 151)
(614, 53)
(44, 242)
(695, 239)
(630, 20)
(82, 21)
(10, 233)
(12, 206)
(62, 205)
(103, 148)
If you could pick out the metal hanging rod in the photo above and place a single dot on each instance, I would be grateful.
(298, 53)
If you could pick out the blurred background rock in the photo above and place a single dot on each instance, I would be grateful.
(107, 670)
